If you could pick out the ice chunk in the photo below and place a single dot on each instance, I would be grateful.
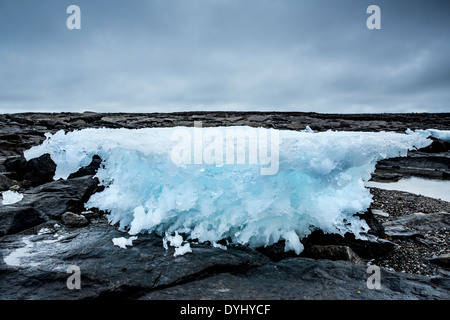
(443, 135)
(182, 250)
(292, 242)
(308, 129)
(122, 242)
(174, 241)
(220, 246)
(177, 242)
(187, 181)
(11, 197)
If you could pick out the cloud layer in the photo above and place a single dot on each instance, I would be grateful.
(183, 55)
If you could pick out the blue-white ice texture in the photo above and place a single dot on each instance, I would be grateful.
(319, 184)
(443, 135)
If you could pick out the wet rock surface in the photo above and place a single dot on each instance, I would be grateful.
(48, 231)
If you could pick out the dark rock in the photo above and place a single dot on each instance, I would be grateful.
(417, 224)
(5, 182)
(74, 220)
(15, 219)
(304, 279)
(47, 122)
(25, 184)
(400, 232)
(38, 170)
(79, 124)
(419, 164)
(333, 252)
(56, 197)
(436, 146)
(376, 227)
(90, 116)
(275, 252)
(89, 170)
(368, 248)
(381, 175)
(443, 260)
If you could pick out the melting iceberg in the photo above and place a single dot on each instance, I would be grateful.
(182, 181)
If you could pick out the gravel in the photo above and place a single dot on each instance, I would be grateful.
(412, 254)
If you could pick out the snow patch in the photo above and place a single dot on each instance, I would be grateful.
(11, 197)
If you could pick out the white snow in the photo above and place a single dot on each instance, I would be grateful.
(13, 259)
(122, 242)
(11, 197)
(319, 181)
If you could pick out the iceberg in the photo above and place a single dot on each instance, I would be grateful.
(186, 181)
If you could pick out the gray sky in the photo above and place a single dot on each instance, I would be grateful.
(186, 55)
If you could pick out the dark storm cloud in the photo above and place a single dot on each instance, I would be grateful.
(175, 55)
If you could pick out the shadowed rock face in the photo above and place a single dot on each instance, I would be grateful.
(34, 172)
(48, 230)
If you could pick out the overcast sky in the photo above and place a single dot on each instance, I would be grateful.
(186, 55)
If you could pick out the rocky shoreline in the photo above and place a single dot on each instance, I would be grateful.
(408, 214)
(49, 230)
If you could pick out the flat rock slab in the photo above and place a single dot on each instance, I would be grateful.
(417, 224)
(305, 279)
